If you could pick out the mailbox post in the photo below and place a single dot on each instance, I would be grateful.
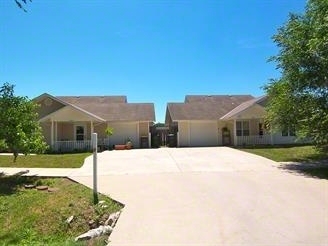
(94, 142)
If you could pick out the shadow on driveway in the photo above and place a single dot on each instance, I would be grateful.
(317, 169)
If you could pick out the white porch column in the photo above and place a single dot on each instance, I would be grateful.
(91, 128)
(271, 135)
(56, 131)
(52, 133)
(235, 132)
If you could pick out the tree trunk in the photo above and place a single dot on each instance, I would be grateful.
(15, 155)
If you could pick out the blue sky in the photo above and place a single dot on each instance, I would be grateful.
(150, 51)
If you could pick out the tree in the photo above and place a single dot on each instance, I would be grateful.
(21, 3)
(19, 127)
(299, 98)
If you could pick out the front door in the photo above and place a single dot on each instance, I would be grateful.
(226, 137)
(79, 132)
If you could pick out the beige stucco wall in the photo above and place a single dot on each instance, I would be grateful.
(65, 131)
(143, 129)
(100, 130)
(183, 129)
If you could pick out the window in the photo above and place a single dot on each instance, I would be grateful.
(79, 133)
(242, 128)
(289, 131)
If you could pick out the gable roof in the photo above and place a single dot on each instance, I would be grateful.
(107, 108)
(244, 106)
(46, 95)
(82, 100)
(202, 107)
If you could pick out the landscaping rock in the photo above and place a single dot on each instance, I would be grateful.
(42, 187)
(112, 219)
(70, 219)
(92, 224)
(29, 186)
(101, 230)
(53, 189)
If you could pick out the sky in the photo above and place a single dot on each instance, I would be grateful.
(151, 51)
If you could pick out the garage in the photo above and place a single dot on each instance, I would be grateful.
(123, 131)
(203, 133)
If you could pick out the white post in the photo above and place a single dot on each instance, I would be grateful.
(52, 133)
(56, 131)
(94, 147)
(91, 127)
(235, 133)
(271, 135)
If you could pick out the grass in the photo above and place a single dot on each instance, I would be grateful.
(45, 161)
(288, 153)
(31, 217)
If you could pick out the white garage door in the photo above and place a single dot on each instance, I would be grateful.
(123, 131)
(203, 134)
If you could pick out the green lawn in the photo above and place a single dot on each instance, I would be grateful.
(31, 217)
(288, 153)
(45, 161)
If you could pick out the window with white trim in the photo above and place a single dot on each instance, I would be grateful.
(288, 132)
(242, 128)
(79, 132)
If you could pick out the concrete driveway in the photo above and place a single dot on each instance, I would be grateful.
(209, 196)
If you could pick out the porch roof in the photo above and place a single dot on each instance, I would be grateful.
(244, 107)
(71, 112)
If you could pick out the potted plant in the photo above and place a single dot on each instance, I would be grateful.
(128, 143)
(109, 132)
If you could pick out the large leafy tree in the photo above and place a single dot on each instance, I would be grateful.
(19, 128)
(299, 98)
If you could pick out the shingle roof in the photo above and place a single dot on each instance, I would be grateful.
(242, 107)
(201, 107)
(112, 108)
(92, 99)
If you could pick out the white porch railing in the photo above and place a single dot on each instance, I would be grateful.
(254, 140)
(69, 146)
(80, 145)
